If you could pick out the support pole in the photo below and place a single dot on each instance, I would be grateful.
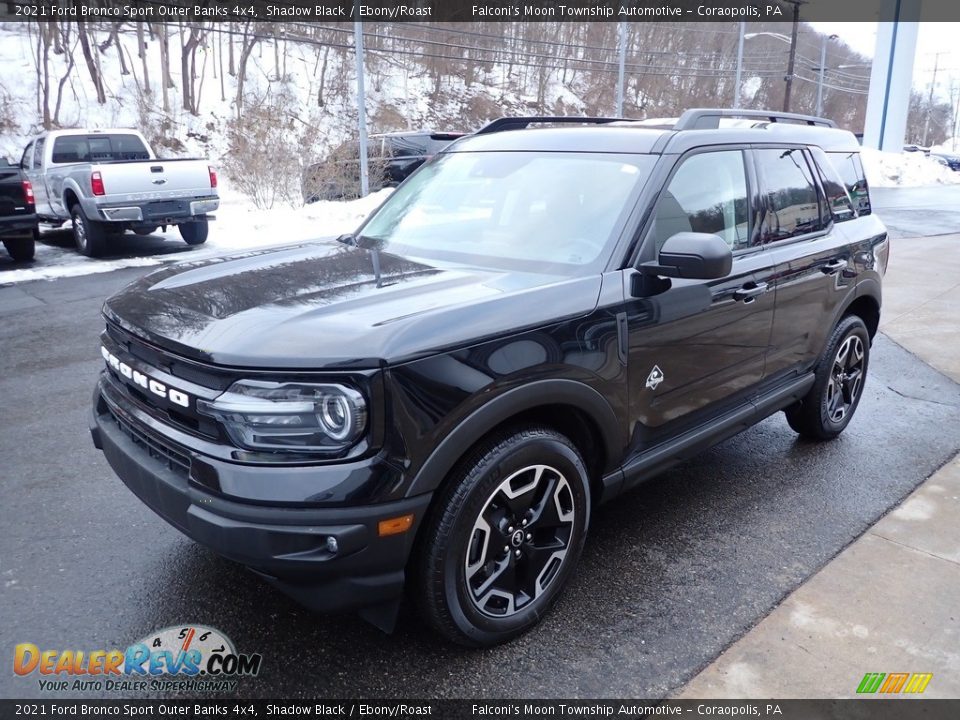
(361, 108)
(736, 82)
(622, 61)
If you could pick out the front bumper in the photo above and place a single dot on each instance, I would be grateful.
(286, 545)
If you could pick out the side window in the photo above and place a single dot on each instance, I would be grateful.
(38, 153)
(707, 194)
(793, 205)
(850, 168)
(839, 204)
(27, 157)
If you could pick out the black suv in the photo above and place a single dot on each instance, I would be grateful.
(534, 322)
(392, 158)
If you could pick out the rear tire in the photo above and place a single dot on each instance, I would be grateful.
(89, 236)
(145, 230)
(21, 249)
(840, 375)
(503, 537)
(194, 233)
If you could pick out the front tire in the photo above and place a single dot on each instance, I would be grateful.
(89, 236)
(194, 233)
(504, 537)
(840, 374)
(21, 249)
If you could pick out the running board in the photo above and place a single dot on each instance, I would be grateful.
(684, 446)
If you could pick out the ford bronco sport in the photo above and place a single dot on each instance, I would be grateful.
(538, 319)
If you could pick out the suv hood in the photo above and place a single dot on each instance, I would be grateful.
(328, 305)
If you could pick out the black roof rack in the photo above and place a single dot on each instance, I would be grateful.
(709, 118)
(519, 123)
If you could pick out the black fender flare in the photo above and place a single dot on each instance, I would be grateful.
(509, 404)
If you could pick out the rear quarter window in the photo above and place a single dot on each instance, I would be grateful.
(850, 170)
(839, 204)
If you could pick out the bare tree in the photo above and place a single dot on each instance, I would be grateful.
(142, 54)
(91, 62)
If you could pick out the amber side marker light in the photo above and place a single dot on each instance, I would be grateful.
(395, 526)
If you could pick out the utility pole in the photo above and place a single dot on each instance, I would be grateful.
(361, 107)
(793, 53)
(736, 82)
(933, 87)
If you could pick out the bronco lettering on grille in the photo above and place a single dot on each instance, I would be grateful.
(147, 383)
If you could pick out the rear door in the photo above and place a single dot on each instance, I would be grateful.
(697, 347)
(812, 256)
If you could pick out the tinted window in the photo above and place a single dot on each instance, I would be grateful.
(839, 205)
(708, 194)
(27, 157)
(98, 148)
(38, 153)
(793, 206)
(849, 167)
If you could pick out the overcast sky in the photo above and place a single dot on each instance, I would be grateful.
(932, 38)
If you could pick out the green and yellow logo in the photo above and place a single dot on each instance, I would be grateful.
(893, 683)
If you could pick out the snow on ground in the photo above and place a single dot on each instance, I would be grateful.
(239, 226)
(912, 169)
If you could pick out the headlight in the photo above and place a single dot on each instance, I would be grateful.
(301, 417)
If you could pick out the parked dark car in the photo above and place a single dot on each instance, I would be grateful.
(533, 323)
(949, 159)
(391, 158)
(18, 213)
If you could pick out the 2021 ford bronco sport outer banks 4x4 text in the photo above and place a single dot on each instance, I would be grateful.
(535, 321)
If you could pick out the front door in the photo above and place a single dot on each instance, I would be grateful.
(696, 347)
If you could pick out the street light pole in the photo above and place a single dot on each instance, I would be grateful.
(736, 85)
(361, 108)
(622, 60)
(823, 69)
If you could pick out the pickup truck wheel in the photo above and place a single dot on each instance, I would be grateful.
(89, 236)
(504, 537)
(194, 233)
(21, 249)
(145, 230)
(829, 406)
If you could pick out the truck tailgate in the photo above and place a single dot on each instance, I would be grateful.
(12, 199)
(156, 176)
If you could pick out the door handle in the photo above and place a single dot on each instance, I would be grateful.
(832, 268)
(750, 292)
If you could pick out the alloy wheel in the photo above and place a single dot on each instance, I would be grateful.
(519, 540)
(846, 378)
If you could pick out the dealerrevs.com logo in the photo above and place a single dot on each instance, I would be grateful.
(177, 658)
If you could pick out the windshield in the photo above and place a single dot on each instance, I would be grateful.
(545, 212)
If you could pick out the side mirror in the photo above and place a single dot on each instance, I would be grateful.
(691, 255)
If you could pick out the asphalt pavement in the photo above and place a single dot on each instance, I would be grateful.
(672, 573)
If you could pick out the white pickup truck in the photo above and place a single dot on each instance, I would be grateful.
(109, 181)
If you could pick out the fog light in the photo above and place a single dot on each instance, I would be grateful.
(332, 545)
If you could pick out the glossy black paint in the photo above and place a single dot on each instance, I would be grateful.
(17, 217)
(448, 354)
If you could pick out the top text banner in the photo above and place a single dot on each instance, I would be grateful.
(479, 10)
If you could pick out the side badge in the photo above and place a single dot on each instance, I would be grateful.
(654, 378)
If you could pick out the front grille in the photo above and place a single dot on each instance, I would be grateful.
(188, 370)
(176, 461)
